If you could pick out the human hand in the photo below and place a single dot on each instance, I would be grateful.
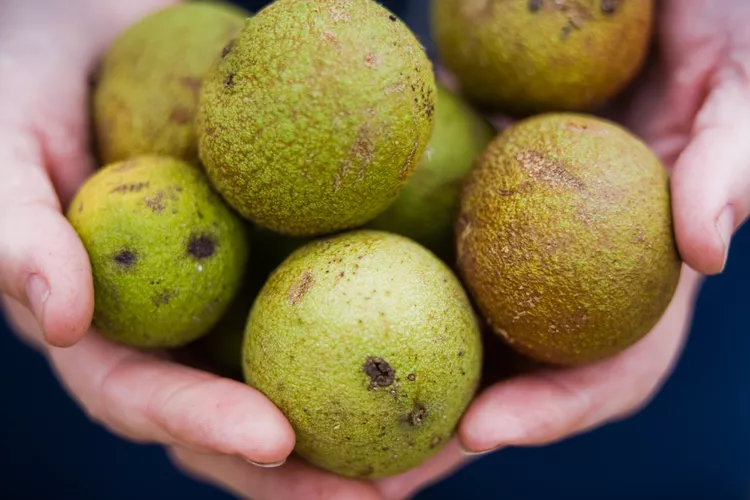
(47, 51)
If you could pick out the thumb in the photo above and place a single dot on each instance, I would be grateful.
(711, 178)
(43, 263)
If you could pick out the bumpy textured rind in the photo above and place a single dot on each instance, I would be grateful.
(317, 116)
(167, 254)
(369, 345)
(530, 56)
(565, 238)
(427, 206)
(149, 83)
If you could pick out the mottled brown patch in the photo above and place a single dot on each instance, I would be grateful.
(125, 259)
(406, 168)
(180, 115)
(372, 60)
(330, 38)
(129, 188)
(192, 84)
(381, 373)
(360, 155)
(155, 203)
(300, 289)
(417, 415)
(543, 168)
(201, 246)
(163, 298)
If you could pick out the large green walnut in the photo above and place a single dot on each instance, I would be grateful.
(149, 82)
(426, 208)
(369, 345)
(317, 116)
(167, 254)
(528, 56)
(565, 238)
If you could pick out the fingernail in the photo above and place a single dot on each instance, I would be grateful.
(725, 227)
(37, 293)
(471, 453)
(265, 466)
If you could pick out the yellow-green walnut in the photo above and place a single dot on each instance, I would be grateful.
(317, 116)
(150, 78)
(565, 238)
(167, 254)
(530, 56)
(368, 344)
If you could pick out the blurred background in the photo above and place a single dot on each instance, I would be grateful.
(692, 442)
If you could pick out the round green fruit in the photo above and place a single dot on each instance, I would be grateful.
(149, 82)
(565, 238)
(167, 254)
(368, 344)
(317, 116)
(530, 56)
(427, 206)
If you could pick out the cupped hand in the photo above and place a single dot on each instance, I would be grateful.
(690, 112)
(47, 52)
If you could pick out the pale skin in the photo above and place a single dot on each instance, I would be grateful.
(691, 108)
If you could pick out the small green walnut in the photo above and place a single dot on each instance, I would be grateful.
(427, 207)
(167, 254)
(369, 345)
(148, 86)
(565, 238)
(530, 56)
(318, 115)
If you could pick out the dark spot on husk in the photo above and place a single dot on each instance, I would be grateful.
(180, 115)
(125, 259)
(229, 81)
(163, 298)
(380, 372)
(392, 18)
(565, 33)
(435, 441)
(192, 84)
(460, 354)
(201, 246)
(535, 5)
(80, 207)
(368, 470)
(227, 49)
(610, 6)
(417, 415)
(411, 377)
(301, 288)
(155, 203)
(129, 188)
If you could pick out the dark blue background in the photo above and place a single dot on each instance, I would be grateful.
(692, 442)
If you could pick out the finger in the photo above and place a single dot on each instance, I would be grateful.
(153, 400)
(711, 180)
(409, 483)
(293, 481)
(547, 406)
(43, 263)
